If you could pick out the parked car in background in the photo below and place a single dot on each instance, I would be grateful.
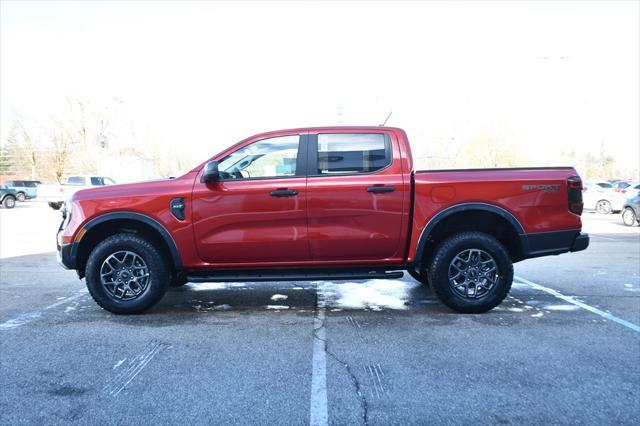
(631, 189)
(8, 197)
(25, 189)
(601, 197)
(620, 185)
(56, 195)
(631, 208)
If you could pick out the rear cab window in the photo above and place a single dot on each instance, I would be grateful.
(352, 153)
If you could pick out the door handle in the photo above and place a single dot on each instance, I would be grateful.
(283, 193)
(381, 188)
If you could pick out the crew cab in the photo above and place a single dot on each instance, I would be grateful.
(320, 203)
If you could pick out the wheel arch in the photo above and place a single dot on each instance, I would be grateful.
(110, 223)
(488, 218)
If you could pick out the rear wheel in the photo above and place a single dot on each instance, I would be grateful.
(9, 202)
(629, 217)
(21, 197)
(603, 207)
(126, 274)
(471, 272)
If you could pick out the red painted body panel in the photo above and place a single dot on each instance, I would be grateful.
(333, 220)
(348, 223)
(535, 209)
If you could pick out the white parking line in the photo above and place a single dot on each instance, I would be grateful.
(30, 316)
(570, 299)
(318, 413)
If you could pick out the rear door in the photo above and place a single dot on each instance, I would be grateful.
(256, 213)
(356, 196)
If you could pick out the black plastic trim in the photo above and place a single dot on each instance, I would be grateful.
(166, 236)
(67, 255)
(433, 222)
(294, 275)
(555, 242)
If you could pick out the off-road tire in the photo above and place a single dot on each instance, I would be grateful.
(21, 197)
(159, 274)
(9, 202)
(438, 272)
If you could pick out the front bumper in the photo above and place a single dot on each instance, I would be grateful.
(67, 255)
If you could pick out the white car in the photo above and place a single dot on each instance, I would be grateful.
(601, 197)
(56, 195)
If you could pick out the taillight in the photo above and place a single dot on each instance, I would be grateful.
(574, 194)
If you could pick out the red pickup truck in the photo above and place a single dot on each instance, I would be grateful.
(320, 203)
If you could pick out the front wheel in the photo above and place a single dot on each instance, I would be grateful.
(21, 197)
(471, 272)
(603, 207)
(56, 205)
(629, 217)
(9, 202)
(126, 274)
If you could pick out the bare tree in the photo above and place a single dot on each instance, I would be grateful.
(61, 144)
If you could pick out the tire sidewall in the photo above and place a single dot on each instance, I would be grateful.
(158, 274)
(439, 272)
(606, 207)
(633, 217)
(9, 202)
(21, 197)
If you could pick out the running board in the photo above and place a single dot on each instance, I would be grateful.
(292, 275)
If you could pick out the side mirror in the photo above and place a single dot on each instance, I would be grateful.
(210, 174)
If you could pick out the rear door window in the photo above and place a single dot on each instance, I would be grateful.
(352, 153)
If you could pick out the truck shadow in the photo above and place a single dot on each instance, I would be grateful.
(363, 295)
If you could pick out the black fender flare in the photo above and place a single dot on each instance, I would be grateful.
(443, 214)
(166, 236)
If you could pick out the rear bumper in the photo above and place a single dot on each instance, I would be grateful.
(556, 242)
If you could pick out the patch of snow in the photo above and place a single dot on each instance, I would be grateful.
(276, 297)
(223, 307)
(373, 294)
(297, 288)
(20, 320)
(537, 315)
(515, 309)
(209, 286)
(277, 307)
(561, 307)
(119, 363)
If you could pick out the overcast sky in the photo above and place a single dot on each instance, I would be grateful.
(206, 74)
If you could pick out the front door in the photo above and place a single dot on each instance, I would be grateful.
(256, 212)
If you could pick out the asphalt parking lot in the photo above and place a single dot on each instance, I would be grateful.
(564, 348)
